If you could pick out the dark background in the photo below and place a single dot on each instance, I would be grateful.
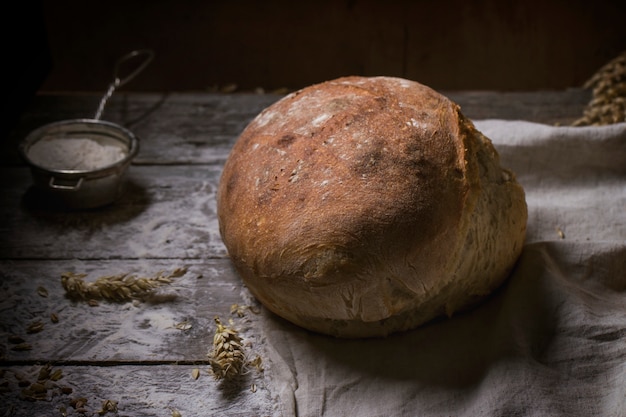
(53, 46)
(448, 45)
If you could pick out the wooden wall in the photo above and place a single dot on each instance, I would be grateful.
(447, 44)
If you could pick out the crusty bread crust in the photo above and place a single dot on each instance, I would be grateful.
(364, 206)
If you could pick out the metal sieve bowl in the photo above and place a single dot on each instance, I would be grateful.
(82, 189)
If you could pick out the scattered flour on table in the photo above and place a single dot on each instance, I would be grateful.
(74, 153)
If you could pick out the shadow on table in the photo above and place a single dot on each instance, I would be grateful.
(133, 201)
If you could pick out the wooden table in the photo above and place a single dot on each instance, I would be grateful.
(142, 354)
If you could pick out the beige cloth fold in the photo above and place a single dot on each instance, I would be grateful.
(550, 342)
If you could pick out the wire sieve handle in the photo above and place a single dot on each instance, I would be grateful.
(53, 183)
(118, 81)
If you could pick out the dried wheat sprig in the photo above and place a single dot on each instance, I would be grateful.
(121, 287)
(608, 103)
(227, 357)
(612, 70)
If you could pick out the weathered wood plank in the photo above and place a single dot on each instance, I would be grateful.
(172, 128)
(130, 353)
(201, 128)
(176, 324)
(166, 212)
(148, 391)
(549, 107)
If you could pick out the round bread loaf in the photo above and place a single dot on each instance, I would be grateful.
(363, 206)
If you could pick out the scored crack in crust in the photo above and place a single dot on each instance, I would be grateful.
(363, 206)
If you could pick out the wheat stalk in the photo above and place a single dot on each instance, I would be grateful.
(227, 358)
(121, 287)
(608, 103)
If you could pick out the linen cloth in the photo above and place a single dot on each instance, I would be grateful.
(550, 342)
